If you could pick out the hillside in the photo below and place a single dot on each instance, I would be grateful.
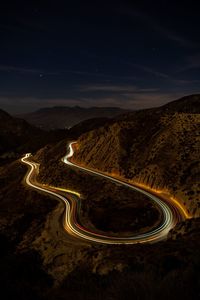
(38, 258)
(157, 147)
(14, 132)
(65, 117)
(17, 136)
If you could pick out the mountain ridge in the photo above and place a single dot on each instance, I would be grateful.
(47, 118)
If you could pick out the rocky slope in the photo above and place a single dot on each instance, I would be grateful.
(157, 147)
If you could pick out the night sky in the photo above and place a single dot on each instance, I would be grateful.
(101, 53)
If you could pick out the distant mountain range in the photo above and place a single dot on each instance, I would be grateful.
(59, 117)
(17, 135)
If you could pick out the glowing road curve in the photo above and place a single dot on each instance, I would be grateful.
(171, 213)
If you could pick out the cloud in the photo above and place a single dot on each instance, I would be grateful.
(191, 62)
(98, 74)
(150, 70)
(176, 38)
(141, 100)
(16, 105)
(7, 68)
(24, 70)
(135, 101)
(194, 62)
(171, 79)
(152, 23)
(113, 88)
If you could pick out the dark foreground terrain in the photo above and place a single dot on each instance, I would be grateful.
(40, 261)
(37, 263)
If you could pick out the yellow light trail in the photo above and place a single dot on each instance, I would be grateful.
(170, 214)
(116, 176)
(166, 195)
(181, 207)
(66, 190)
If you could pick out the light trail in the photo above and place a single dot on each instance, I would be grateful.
(165, 194)
(171, 215)
(137, 186)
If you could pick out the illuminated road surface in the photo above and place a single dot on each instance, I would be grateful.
(171, 214)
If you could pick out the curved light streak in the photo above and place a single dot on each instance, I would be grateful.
(170, 213)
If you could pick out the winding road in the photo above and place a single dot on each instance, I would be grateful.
(172, 213)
